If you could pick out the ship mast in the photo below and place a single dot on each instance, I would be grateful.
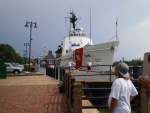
(73, 20)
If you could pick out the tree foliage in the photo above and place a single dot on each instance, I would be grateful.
(133, 62)
(8, 54)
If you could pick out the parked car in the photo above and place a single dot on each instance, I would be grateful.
(20, 65)
(13, 69)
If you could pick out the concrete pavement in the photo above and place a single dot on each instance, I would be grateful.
(31, 94)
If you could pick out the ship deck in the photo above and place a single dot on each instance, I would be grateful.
(81, 75)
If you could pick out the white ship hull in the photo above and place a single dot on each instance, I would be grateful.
(99, 54)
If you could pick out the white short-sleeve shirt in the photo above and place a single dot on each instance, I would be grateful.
(70, 64)
(122, 90)
(89, 64)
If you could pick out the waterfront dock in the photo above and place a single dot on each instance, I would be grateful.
(38, 93)
(31, 94)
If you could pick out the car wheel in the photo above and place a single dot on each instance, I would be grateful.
(16, 72)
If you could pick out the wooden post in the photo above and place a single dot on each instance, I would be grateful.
(70, 97)
(146, 71)
(143, 101)
(67, 76)
(77, 98)
(71, 84)
(63, 79)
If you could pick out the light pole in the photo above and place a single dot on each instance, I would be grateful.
(24, 54)
(26, 44)
(35, 26)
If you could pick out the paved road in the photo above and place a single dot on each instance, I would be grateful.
(42, 70)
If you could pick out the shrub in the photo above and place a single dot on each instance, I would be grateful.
(27, 68)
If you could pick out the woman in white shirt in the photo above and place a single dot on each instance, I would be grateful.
(122, 91)
(70, 65)
(89, 64)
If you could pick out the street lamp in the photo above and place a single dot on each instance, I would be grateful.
(35, 26)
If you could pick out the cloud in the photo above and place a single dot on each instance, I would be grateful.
(134, 41)
(144, 24)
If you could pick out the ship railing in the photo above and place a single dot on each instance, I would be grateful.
(103, 98)
(107, 72)
(58, 72)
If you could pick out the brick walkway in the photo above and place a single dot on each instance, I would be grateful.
(27, 98)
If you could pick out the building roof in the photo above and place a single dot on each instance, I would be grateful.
(50, 55)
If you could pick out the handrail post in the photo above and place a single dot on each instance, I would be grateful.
(77, 98)
(110, 73)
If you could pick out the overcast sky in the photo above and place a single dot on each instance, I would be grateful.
(133, 24)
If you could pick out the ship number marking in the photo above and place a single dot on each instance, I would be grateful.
(97, 61)
(88, 55)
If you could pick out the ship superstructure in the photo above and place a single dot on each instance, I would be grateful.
(77, 46)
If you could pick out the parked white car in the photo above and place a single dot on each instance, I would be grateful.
(20, 65)
(13, 69)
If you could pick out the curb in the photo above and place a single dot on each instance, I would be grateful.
(26, 74)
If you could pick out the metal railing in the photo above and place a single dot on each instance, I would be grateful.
(61, 75)
(103, 97)
(55, 73)
(70, 95)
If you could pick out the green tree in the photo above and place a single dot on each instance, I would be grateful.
(8, 54)
(133, 62)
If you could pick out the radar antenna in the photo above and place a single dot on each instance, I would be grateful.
(73, 18)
